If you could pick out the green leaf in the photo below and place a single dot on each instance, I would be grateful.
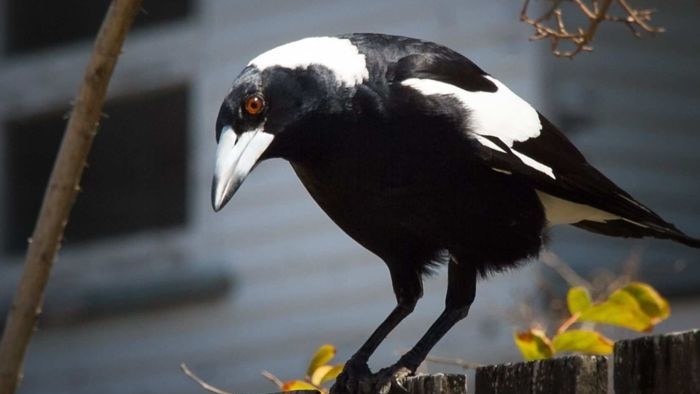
(651, 302)
(533, 344)
(583, 341)
(324, 354)
(620, 309)
(298, 385)
(578, 299)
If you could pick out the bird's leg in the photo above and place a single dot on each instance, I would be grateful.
(408, 288)
(461, 290)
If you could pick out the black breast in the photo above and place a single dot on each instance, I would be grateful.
(410, 183)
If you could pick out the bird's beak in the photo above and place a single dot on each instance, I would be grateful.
(235, 158)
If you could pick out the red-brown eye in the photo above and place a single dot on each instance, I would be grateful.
(254, 105)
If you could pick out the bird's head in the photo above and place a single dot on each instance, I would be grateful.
(273, 101)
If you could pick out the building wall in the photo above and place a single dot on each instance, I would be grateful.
(632, 108)
(296, 280)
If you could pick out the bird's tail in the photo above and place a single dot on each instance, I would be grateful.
(626, 228)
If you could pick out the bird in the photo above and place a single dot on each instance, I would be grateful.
(422, 158)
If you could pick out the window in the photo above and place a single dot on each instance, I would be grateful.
(135, 180)
(37, 24)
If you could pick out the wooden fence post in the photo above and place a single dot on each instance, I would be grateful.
(668, 363)
(568, 375)
(436, 384)
(661, 364)
(298, 392)
(424, 384)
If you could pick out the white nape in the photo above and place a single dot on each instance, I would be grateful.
(339, 55)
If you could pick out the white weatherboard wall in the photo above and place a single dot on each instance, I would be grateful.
(299, 281)
(633, 111)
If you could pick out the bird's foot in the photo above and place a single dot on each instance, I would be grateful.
(355, 379)
(391, 380)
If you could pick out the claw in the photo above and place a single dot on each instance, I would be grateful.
(354, 378)
(391, 380)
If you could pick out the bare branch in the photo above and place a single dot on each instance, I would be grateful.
(453, 361)
(202, 383)
(572, 278)
(62, 190)
(272, 378)
(551, 25)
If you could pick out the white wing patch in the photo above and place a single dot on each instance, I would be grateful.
(488, 143)
(337, 54)
(530, 162)
(501, 114)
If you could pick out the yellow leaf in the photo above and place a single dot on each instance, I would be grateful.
(319, 373)
(324, 354)
(578, 299)
(651, 302)
(298, 385)
(533, 344)
(583, 341)
(332, 373)
(620, 309)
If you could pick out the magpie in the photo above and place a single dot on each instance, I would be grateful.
(422, 158)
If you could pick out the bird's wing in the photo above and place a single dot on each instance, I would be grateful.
(513, 138)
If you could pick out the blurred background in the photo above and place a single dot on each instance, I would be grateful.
(150, 277)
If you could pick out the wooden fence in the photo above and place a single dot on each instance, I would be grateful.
(661, 364)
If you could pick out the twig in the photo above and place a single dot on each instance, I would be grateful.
(269, 376)
(61, 191)
(568, 323)
(553, 261)
(630, 269)
(203, 384)
(453, 361)
(596, 13)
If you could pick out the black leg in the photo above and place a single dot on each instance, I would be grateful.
(461, 289)
(408, 288)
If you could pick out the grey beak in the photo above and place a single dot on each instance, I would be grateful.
(235, 158)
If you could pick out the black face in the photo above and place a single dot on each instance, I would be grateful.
(287, 96)
(245, 107)
(267, 114)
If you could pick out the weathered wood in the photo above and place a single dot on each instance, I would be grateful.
(298, 392)
(436, 384)
(567, 375)
(659, 364)
(668, 363)
(424, 384)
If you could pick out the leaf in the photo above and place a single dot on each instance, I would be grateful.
(533, 344)
(324, 354)
(319, 373)
(578, 299)
(583, 341)
(332, 373)
(651, 302)
(620, 309)
(298, 385)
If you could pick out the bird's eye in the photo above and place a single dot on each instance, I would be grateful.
(254, 105)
